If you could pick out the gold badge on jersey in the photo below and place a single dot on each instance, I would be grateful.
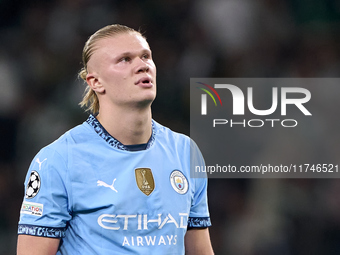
(145, 181)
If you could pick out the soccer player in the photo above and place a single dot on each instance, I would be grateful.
(120, 182)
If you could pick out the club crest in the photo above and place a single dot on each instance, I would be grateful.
(145, 181)
(179, 182)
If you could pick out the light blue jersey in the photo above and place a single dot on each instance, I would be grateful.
(102, 197)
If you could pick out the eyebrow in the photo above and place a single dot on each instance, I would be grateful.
(127, 53)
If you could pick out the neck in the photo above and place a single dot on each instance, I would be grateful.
(128, 127)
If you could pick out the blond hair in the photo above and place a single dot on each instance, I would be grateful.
(90, 100)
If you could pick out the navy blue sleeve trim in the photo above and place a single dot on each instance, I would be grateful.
(199, 222)
(33, 230)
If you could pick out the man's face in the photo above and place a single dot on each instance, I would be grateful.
(123, 70)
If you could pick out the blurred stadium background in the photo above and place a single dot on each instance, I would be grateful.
(40, 53)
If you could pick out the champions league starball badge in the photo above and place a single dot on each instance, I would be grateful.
(179, 182)
(33, 185)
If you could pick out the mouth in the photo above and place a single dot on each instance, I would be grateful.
(144, 82)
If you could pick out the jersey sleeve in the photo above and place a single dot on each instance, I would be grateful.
(45, 209)
(199, 213)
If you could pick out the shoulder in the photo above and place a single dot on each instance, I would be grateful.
(66, 142)
(163, 132)
(77, 134)
(181, 142)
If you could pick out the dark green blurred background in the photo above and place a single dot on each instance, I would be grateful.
(40, 54)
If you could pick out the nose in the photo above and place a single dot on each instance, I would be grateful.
(141, 66)
(143, 69)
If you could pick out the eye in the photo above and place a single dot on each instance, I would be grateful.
(146, 56)
(125, 59)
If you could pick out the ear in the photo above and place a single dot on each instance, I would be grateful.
(94, 83)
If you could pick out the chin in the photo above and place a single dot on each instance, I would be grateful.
(145, 103)
(150, 96)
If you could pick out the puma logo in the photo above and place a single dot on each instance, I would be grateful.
(40, 162)
(101, 183)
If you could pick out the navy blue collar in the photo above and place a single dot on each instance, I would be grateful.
(101, 131)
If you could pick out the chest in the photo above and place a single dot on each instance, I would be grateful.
(131, 190)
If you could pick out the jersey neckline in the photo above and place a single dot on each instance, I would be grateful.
(101, 131)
